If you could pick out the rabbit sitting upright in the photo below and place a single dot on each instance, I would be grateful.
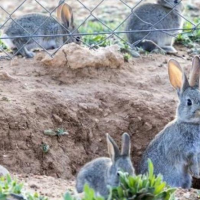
(166, 14)
(175, 151)
(103, 172)
(40, 25)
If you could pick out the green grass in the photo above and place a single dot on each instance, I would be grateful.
(2, 45)
(189, 38)
(101, 40)
(91, 27)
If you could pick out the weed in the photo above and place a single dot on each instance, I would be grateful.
(58, 132)
(45, 148)
(190, 37)
(11, 189)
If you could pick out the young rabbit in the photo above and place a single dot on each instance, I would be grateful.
(38, 24)
(163, 15)
(3, 171)
(103, 172)
(175, 151)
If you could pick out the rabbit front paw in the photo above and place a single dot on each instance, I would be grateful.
(30, 54)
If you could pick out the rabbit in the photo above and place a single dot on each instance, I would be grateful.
(166, 14)
(103, 172)
(175, 151)
(30, 25)
(3, 171)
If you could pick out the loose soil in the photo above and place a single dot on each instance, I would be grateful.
(87, 103)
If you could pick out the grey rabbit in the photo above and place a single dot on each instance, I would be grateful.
(175, 151)
(103, 172)
(39, 24)
(164, 15)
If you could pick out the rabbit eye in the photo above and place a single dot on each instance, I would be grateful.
(78, 39)
(189, 102)
(118, 174)
(175, 1)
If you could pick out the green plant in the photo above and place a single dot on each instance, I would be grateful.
(89, 194)
(102, 40)
(191, 35)
(143, 187)
(7, 186)
(58, 132)
(45, 148)
(127, 56)
(95, 27)
(61, 131)
(10, 187)
(2, 45)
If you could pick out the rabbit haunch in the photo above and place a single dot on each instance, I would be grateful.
(103, 172)
(40, 25)
(3, 171)
(166, 14)
(175, 151)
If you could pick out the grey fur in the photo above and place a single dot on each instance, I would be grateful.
(49, 26)
(175, 151)
(3, 171)
(103, 172)
(151, 13)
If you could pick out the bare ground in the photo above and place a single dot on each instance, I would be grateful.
(87, 103)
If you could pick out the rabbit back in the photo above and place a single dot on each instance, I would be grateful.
(34, 24)
(150, 14)
(94, 174)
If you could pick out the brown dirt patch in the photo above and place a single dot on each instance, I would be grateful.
(88, 103)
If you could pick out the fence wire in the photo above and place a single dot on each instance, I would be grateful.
(110, 34)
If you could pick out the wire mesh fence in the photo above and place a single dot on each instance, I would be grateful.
(130, 24)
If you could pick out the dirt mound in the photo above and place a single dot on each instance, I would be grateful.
(74, 56)
(87, 103)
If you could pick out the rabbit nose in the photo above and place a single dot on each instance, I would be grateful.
(52, 47)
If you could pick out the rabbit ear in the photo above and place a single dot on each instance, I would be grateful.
(194, 75)
(177, 77)
(59, 9)
(126, 145)
(113, 149)
(67, 16)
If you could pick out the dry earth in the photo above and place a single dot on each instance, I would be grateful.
(86, 102)
(135, 97)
